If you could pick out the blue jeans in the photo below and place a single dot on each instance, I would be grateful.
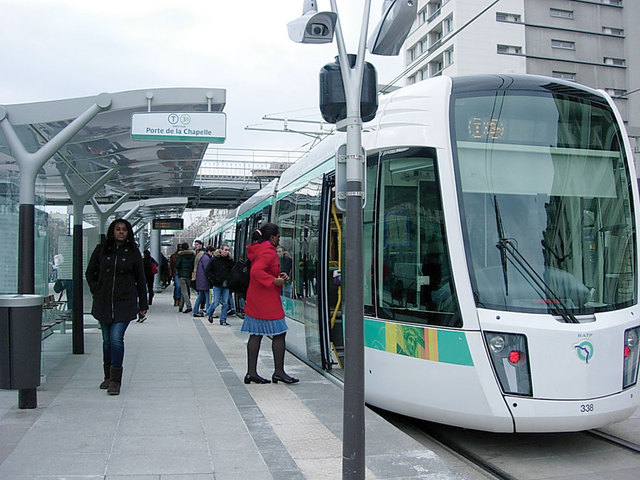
(113, 342)
(220, 295)
(232, 305)
(202, 295)
(176, 287)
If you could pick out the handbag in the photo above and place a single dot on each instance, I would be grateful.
(58, 286)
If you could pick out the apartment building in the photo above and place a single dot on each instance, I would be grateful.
(592, 42)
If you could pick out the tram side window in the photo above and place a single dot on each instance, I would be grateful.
(285, 219)
(368, 234)
(241, 240)
(305, 253)
(414, 271)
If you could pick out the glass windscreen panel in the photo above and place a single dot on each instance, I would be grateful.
(414, 272)
(543, 178)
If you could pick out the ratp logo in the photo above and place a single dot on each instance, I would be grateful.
(584, 350)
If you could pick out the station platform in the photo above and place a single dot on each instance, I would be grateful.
(184, 413)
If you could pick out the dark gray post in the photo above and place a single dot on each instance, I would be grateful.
(353, 424)
(27, 397)
(77, 310)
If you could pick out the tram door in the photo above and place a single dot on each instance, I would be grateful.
(331, 311)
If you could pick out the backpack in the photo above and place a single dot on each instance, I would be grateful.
(154, 267)
(239, 277)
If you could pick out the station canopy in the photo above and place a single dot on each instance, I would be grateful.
(145, 170)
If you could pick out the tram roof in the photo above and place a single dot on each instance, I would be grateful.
(145, 169)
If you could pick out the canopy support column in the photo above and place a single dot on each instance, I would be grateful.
(79, 200)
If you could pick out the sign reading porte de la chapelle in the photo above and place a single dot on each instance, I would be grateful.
(206, 127)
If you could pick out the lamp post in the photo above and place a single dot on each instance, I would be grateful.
(387, 39)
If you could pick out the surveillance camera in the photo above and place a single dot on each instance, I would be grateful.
(394, 26)
(313, 27)
(318, 29)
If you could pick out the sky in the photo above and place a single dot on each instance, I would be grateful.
(53, 49)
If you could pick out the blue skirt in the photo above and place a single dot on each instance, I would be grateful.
(255, 326)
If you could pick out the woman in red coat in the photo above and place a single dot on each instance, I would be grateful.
(263, 310)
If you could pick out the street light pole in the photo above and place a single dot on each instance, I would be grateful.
(353, 424)
(388, 37)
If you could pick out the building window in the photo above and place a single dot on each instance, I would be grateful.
(509, 50)
(508, 17)
(447, 25)
(618, 62)
(433, 10)
(435, 68)
(564, 75)
(558, 13)
(619, 32)
(564, 44)
(612, 2)
(448, 57)
(422, 16)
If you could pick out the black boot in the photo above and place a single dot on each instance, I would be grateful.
(114, 380)
(107, 374)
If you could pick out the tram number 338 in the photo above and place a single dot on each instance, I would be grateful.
(586, 408)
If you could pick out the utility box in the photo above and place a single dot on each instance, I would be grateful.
(333, 102)
(20, 341)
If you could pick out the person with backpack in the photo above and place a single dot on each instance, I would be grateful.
(150, 271)
(218, 272)
(202, 283)
(263, 310)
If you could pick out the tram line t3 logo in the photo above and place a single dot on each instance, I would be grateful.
(584, 350)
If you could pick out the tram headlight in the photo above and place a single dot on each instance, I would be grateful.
(630, 357)
(510, 360)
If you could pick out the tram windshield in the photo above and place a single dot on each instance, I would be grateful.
(543, 176)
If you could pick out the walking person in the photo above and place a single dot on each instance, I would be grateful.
(164, 271)
(203, 285)
(150, 270)
(198, 247)
(115, 275)
(219, 271)
(184, 268)
(263, 309)
(174, 275)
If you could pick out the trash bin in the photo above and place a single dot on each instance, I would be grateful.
(20, 341)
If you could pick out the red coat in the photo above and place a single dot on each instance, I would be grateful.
(263, 297)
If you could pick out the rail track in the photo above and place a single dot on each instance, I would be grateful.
(485, 455)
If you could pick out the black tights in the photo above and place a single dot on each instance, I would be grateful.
(277, 347)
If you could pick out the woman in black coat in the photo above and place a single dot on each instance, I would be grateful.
(116, 278)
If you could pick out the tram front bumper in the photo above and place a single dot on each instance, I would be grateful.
(539, 416)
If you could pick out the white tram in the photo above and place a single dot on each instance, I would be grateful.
(500, 255)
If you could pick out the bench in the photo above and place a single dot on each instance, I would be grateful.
(54, 313)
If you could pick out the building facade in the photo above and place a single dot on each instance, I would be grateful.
(592, 42)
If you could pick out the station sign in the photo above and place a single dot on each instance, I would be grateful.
(206, 127)
(168, 224)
